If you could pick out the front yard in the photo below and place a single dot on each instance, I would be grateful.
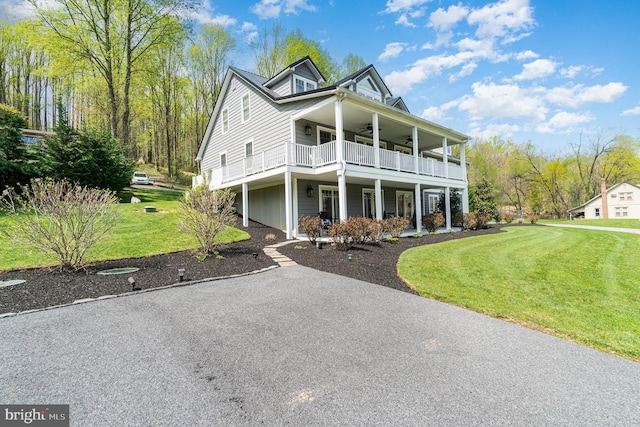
(577, 284)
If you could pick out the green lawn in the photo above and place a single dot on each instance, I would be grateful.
(621, 223)
(579, 284)
(137, 234)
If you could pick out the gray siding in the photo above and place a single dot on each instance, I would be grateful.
(283, 87)
(303, 70)
(266, 206)
(268, 127)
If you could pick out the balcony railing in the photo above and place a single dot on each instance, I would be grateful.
(313, 156)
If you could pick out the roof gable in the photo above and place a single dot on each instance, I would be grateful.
(305, 64)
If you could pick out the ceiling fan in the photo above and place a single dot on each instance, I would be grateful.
(409, 140)
(369, 128)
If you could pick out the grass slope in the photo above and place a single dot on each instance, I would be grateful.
(137, 234)
(580, 284)
(619, 223)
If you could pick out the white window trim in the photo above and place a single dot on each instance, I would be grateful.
(326, 187)
(363, 90)
(226, 159)
(222, 114)
(324, 129)
(413, 202)
(306, 81)
(372, 190)
(248, 95)
(403, 149)
(247, 142)
(369, 141)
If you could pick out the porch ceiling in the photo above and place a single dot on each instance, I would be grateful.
(356, 119)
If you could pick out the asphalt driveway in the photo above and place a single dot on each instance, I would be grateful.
(294, 346)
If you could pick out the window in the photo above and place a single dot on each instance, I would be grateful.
(223, 159)
(402, 149)
(330, 202)
(597, 212)
(434, 201)
(624, 196)
(225, 120)
(621, 212)
(369, 202)
(368, 88)
(404, 204)
(248, 149)
(303, 85)
(246, 113)
(325, 135)
(369, 141)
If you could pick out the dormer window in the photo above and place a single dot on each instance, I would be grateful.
(303, 85)
(369, 89)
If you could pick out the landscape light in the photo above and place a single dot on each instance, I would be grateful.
(255, 255)
(181, 273)
(350, 256)
(132, 282)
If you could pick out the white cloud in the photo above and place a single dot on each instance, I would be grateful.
(505, 130)
(632, 112)
(577, 95)
(250, 31)
(391, 50)
(394, 6)
(508, 19)
(22, 9)
(571, 71)
(271, 9)
(527, 54)
(466, 70)
(564, 122)
(433, 114)
(403, 19)
(491, 101)
(537, 69)
(443, 20)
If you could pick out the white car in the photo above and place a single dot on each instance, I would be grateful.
(140, 178)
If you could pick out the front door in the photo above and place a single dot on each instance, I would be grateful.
(330, 202)
(369, 203)
(404, 202)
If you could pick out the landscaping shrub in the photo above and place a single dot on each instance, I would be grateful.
(533, 218)
(205, 214)
(458, 219)
(59, 218)
(311, 226)
(432, 221)
(365, 229)
(470, 221)
(483, 218)
(342, 234)
(380, 228)
(397, 225)
(508, 218)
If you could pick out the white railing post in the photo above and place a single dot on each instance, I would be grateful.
(264, 165)
(398, 161)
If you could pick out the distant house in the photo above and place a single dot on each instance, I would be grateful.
(620, 201)
(291, 147)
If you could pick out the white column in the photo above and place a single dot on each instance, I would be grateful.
(447, 206)
(463, 161)
(465, 200)
(342, 195)
(339, 132)
(376, 139)
(418, 208)
(414, 137)
(287, 204)
(294, 191)
(245, 204)
(378, 189)
(445, 157)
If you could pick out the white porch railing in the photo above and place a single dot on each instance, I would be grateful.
(325, 154)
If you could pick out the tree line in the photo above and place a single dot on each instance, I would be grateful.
(137, 69)
(525, 178)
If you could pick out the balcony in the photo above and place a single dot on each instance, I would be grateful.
(313, 156)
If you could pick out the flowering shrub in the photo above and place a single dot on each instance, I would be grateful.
(533, 218)
(311, 226)
(432, 221)
(397, 225)
(475, 220)
(508, 218)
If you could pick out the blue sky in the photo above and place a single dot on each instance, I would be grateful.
(527, 70)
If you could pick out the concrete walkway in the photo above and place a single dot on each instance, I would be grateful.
(295, 346)
(593, 227)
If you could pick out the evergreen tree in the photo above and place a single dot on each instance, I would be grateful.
(482, 199)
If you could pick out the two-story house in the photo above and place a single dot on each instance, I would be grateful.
(290, 146)
(620, 201)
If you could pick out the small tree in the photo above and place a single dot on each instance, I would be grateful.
(61, 219)
(205, 214)
(482, 199)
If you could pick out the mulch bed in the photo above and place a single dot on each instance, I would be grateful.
(375, 263)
